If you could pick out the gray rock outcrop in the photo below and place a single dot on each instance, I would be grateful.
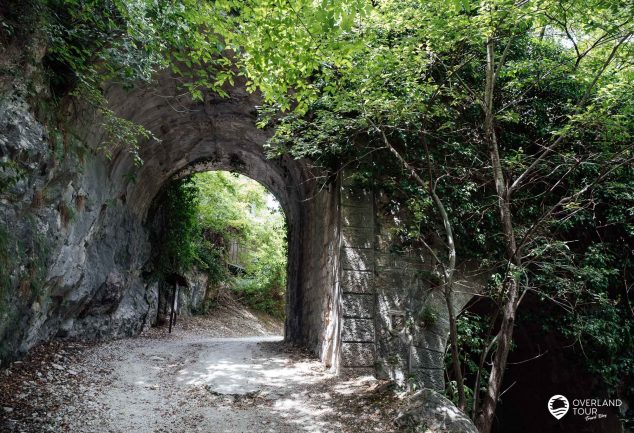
(428, 411)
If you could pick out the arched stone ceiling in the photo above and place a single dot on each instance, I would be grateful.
(214, 134)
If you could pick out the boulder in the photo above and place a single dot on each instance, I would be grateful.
(428, 411)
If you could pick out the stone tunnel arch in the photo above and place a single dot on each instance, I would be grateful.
(221, 134)
(352, 298)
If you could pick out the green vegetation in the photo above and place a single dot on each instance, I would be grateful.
(180, 232)
(231, 228)
(509, 129)
(237, 212)
(501, 127)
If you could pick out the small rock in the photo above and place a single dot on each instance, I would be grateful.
(57, 366)
(7, 409)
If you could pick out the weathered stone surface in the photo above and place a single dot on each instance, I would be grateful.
(429, 411)
(392, 357)
(356, 217)
(430, 340)
(354, 196)
(429, 378)
(423, 358)
(384, 241)
(358, 305)
(357, 281)
(151, 296)
(107, 297)
(357, 259)
(357, 354)
(386, 261)
(390, 301)
(355, 237)
(358, 330)
(193, 296)
(400, 279)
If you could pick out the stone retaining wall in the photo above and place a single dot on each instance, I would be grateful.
(394, 324)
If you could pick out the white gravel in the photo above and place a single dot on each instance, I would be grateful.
(189, 381)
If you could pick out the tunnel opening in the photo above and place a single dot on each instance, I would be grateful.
(218, 237)
(102, 276)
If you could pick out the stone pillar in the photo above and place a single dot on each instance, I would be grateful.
(411, 319)
(394, 320)
(356, 278)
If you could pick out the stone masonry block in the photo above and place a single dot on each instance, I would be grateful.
(423, 358)
(357, 281)
(357, 259)
(355, 237)
(436, 303)
(358, 305)
(388, 279)
(358, 330)
(409, 261)
(385, 261)
(404, 262)
(439, 327)
(351, 195)
(433, 379)
(389, 301)
(384, 241)
(357, 354)
(430, 340)
(357, 217)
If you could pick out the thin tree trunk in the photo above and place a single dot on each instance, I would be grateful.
(486, 413)
(449, 268)
(510, 295)
(448, 276)
(455, 354)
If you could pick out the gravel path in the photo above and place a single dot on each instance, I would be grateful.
(188, 381)
(205, 384)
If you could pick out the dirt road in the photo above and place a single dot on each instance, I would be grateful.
(189, 381)
(207, 385)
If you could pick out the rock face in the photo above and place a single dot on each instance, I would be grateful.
(427, 411)
(75, 249)
(72, 257)
(194, 295)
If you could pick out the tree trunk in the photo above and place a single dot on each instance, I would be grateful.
(448, 268)
(486, 413)
(453, 342)
(510, 288)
